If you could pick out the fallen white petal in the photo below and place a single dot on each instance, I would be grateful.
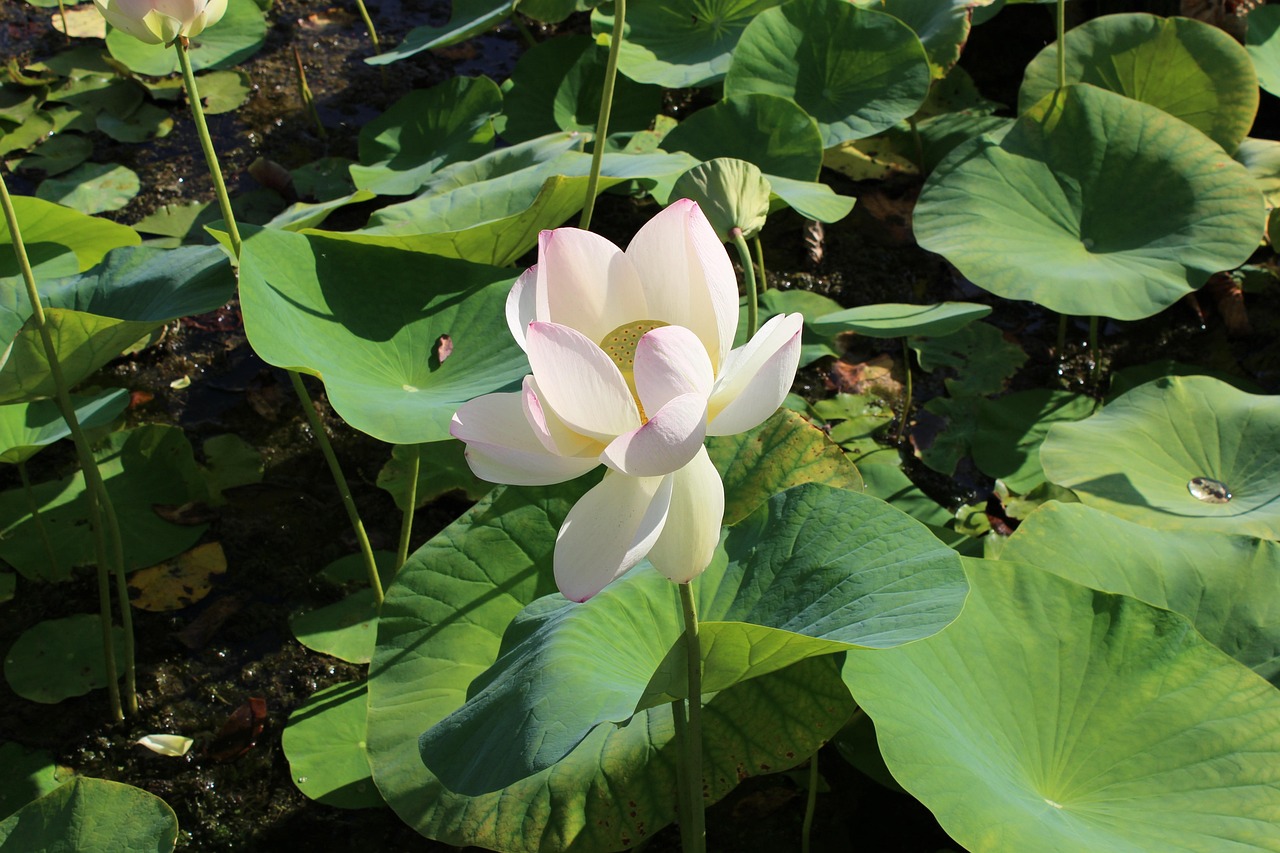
(174, 746)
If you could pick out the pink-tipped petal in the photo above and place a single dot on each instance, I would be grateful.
(671, 361)
(692, 531)
(666, 443)
(502, 447)
(586, 283)
(687, 277)
(550, 430)
(522, 304)
(608, 531)
(580, 382)
(756, 377)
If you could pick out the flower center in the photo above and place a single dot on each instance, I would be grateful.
(620, 345)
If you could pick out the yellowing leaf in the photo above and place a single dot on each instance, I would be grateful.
(177, 583)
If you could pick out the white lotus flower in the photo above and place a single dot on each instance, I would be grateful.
(161, 21)
(633, 367)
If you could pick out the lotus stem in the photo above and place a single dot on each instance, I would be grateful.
(368, 25)
(55, 570)
(411, 500)
(525, 32)
(1062, 44)
(1095, 357)
(95, 489)
(810, 805)
(678, 711)
(62, 13)
(761, 277)
(606, 107)
(694, 836)
(308, 99)
(308, 408)
(919, 143)
(748, 280)
(116, 545)
(906, 400)
(206, 144)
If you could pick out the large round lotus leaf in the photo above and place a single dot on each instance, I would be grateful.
(680, 43)
(1262, 41)
(790, 591)
(91, 814)
(854, 70)
(1053, 718)
(25, 428)
(92, 187)
(469, 18)
(1182, 452)
(1228, 586)
(60, 658)
(372, 322)
(732, 193)
(59, 242)
(767, 130)
(441, 626)
(1262, 158)
(1191, 70)
(324, 742)
(941, 25)
(28, 776)
(1092, 204)
(891, 320)
(235, 38)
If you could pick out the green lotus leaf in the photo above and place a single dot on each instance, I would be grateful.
(56, 154)
(143, 467)
(1182, 452)
(91, 814)
(60, 658)
(92, 187)
(770, 131)
(1092, 204)
(468, 18)
(345, 629)
(237, 36)
(811, 200)
(60, 241)
(324, 743)
(813, 345)
(1054, 718)
(732, 193)
(1262, 158)
(28, 776)
(146, 122)
(308, 307)
(983, 360)
(855, 71)
(432, 470)
(1260, 41)
(28, 134)
(789, 591)
(26, 428)
(1012, 428)
(784, 451)
(942, 27)
(680, 43)
(1191, 70)
(424, 130)
(889, 320)
(224, 91)
(1227, 586)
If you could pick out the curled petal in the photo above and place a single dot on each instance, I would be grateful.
(689, 538)
(756, 377)
(550, 430)
(586, 283)
(608, 531)
(521, 304)
(671, 361)
(666, 443)
(687, 277)
(502, 447)
(580, 382)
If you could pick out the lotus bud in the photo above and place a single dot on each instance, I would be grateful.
(161, 21)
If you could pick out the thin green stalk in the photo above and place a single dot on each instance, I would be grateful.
(411, 501)
(94, 487)
(696, 834)
(606, 107)
(343, 489)
(206, 144)
(749, 280)
(678, 718)
(116, 545)
(810, 805)
(54, 569)
(906, 402)
(368, 25)
(1062, 44)
(760, 273)
(919, 143)
(308, 99)
(62, 13)
(525, 32)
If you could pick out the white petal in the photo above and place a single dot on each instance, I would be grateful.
(671, 361)
(502, 447)
(586, 283)
(555, 436)
(756, 377)
(522, 305)
(666, 443)
(174, 746)
(580, 382)
(692, 531)
(608, 531)
(687, 277)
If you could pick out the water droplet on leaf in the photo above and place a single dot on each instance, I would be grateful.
(1209, 490)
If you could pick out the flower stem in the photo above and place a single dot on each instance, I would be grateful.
(368, 25)
(308, 99)
(749, 279)
(95, 489)
(206, 144)
(762, 278)
(55, 571)
(606, 106)
(344, 490)
(678, 718)
(411, 500)
(1062, 44)
(906, 401)
(62, 13)
(810, 805)
(696, 834)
